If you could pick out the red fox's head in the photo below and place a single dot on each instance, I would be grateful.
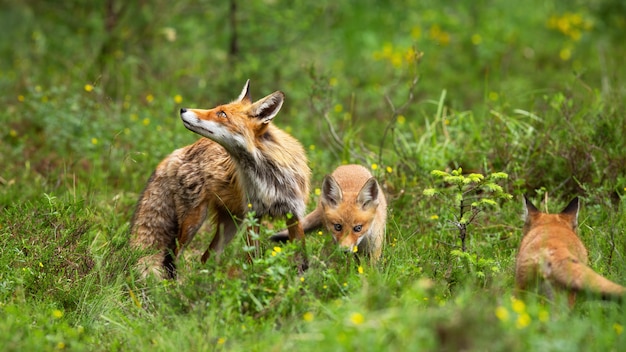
(237, 124)
(567, 218)
(349, 217)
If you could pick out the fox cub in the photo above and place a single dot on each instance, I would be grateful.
(551, 253)
(245, 163)
(353, 208)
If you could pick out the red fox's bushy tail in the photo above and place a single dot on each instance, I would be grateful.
(576, 276)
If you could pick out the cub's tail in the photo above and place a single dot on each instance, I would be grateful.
(576, 276)
(311, 221)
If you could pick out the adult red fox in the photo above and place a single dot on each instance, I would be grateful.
(552, 253)
(245, 163)
(353, 208)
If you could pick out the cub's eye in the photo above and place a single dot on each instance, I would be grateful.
(338, 227)
(221, 114)
(357, 228)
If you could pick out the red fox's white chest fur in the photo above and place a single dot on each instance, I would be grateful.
(353, 209)
(244, 163)
(551, 253)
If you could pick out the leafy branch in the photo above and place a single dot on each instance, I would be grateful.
(470, 195)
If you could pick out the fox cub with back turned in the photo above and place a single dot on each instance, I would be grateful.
(245, 163)
(551, 253)
(353, 208)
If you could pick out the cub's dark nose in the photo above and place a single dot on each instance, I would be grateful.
(183, 110)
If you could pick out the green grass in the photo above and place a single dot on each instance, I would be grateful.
(535, 91)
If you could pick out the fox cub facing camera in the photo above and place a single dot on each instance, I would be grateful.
(352, 207)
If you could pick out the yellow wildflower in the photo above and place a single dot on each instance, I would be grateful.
(523, 321)
(357, 318)
(502, 314)
(565, 54)
(476, 39)
(88, 87)
(518, 306)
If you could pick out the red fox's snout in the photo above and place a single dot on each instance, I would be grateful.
(347, 243)
(193, 122)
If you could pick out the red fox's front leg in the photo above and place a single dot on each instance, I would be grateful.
(296, 232)
(225, 230)
(190, 224)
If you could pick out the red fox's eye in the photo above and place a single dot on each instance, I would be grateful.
(221, 114)
(338, 227)
(358, 228)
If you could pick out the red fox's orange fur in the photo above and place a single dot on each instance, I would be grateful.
(552, 253)
(353, 208)
(244, 161)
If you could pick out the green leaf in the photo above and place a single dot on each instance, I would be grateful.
(457, 180)
(439, 173)
(492, 187)
(458, 198)
(429, 192)
(475, 177)
(499, 175)
(487, 201)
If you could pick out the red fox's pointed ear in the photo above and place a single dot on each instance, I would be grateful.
(245, 92)
(529, 208)
(266, 108)
(368, 195)
(331, 192)
(572, 210)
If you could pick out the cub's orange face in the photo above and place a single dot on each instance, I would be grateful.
(349, 216)
(349, 223)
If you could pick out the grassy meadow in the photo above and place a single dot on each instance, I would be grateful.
(90, 91)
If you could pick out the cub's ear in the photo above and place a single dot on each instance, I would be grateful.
(368, 195)
(529, 208)
(331, 192)
(245, 93)
(266, 108)
(572, 210)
